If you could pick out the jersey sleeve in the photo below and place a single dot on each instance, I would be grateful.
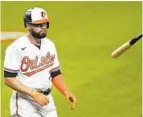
(12, 60)
(56, 65)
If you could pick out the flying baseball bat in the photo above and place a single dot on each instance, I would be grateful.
(125, 46)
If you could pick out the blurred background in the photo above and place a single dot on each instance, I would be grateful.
(85, 34)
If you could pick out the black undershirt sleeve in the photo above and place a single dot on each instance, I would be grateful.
(9, 74)
(55, 73)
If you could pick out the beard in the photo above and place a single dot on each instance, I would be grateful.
(39, 35)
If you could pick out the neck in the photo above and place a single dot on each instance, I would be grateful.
(33, 39)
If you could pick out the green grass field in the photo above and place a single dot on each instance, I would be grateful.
(85, 34)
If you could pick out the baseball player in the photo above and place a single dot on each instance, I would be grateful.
(31, 66)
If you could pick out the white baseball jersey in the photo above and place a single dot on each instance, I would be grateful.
(32, 64)
(33, 67)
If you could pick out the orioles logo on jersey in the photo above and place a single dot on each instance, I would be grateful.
(34, 66)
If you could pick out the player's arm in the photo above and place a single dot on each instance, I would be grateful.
(17, 85)
(12, 65)
(11, 81)
(59, 83)
(58, 80)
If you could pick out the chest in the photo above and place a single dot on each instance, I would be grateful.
(33, 52)
(33, 57)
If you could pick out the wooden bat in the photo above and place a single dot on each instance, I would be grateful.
(125, 46)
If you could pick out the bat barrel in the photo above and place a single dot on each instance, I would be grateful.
(125, 46)
(120, 50)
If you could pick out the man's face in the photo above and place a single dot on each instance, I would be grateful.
(38, 31)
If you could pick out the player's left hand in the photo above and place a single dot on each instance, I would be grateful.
(71, 98)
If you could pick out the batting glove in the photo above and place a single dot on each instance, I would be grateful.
(70, 98)
(39, 98)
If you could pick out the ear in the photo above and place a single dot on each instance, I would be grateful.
(28, 26)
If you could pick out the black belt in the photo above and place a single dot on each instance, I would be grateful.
(47, 92)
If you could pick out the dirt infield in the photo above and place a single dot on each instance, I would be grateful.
(9, 36)
(7, 41)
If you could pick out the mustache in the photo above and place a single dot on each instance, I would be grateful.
(43, 30)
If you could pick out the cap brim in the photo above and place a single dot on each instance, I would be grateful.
(40, 21)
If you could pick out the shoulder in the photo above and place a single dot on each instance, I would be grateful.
(18, 43)
(48, 42)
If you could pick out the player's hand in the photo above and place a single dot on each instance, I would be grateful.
(71, 98)
(39, 98)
